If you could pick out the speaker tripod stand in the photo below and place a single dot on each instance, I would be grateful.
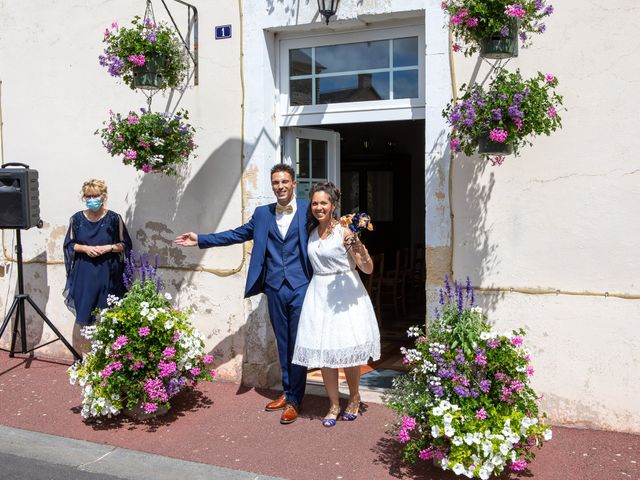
(18, 307)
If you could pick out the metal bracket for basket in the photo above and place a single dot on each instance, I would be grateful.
(192, 31)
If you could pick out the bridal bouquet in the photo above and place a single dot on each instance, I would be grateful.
(356, 222)
(143, 350)
(467, 403)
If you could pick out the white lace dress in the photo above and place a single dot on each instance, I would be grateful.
(338, 326)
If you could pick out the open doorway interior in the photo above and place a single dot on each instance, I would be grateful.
(379, 167)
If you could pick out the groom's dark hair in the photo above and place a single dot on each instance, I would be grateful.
(283, 167)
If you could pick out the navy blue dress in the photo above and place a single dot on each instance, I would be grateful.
(91, 280)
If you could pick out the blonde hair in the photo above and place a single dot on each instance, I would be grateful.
(94, 185)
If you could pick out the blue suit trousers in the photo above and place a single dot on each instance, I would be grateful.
(285, 304)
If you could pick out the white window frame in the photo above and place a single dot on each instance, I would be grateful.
(351, 112)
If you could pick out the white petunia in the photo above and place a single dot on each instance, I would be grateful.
(504, 449)
(485, 336)
(168, 324)
(547, 434)
(485, 472)
(444, 405)
(457, 441)
(447, 418)
(437, 411)
(497, 460)
(435, 431)
(144, 304)
(167, 295)
(487, 448)
(449, 431)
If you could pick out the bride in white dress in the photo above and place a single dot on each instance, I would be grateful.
(337, 327)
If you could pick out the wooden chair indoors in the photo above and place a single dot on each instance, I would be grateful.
(394, 283)
(373, 284)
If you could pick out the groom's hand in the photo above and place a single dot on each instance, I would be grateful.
(189, 239)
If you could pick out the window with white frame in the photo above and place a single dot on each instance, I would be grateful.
(355, 74)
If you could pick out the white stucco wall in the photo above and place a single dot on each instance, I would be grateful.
(55, 95)
(562, 217)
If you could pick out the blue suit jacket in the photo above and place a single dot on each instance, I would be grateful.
(257, 229)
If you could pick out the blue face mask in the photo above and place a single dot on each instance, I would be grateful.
(93, 204)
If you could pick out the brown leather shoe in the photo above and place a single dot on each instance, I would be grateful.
(290, 414)
(278, 404)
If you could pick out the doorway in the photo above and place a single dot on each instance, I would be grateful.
(379, 167)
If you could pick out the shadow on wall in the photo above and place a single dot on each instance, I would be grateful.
(472, 192)
(37, 286)
(197, 205)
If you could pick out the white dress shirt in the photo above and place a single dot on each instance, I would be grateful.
(283, 219)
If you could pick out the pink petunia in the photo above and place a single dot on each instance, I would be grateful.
(515, 10)
(481, 414)
(552, 112)
(146, 168)
(471, 22)
(144, 331)
(137, 60)
(517, 341)
(207, 359)
(150, 407)
(518, 465)
(549, 77)
(132, 119)
(498, 135)
(130, 155)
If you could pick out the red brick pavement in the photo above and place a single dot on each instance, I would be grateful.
(224, 424)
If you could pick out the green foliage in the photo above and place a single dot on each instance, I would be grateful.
(125, 45)
(473, 21)
(520, 108)
(467, 402)
(151, 142)
(143, 352)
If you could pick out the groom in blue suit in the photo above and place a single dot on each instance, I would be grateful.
(280, 269)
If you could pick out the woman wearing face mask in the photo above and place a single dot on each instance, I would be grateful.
(94, 249)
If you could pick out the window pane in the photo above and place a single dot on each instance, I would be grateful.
(302, 189)
(300, 62)
(319, 159)
(380, 196)
(352, 56)
(405, 84)
(302, 154)
(353, 88)
(405, 52)
(350, 189)
(300, 92)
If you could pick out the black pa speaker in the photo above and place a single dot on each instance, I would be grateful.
(19, 197)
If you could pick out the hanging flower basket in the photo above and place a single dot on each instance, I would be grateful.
(493, 26)
(506, 115)
(498, 46)
(150, 75)
(486, 146)
(146, 55)
(150, 141)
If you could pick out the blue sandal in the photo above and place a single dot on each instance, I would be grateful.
(332, 416)
(352, 411)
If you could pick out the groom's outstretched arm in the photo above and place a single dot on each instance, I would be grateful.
(228, 237)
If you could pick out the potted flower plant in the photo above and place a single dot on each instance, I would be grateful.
(493, 26)
(150, 141)
(467, 403)
(143, 351)
(502, 118)
(146, 55)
